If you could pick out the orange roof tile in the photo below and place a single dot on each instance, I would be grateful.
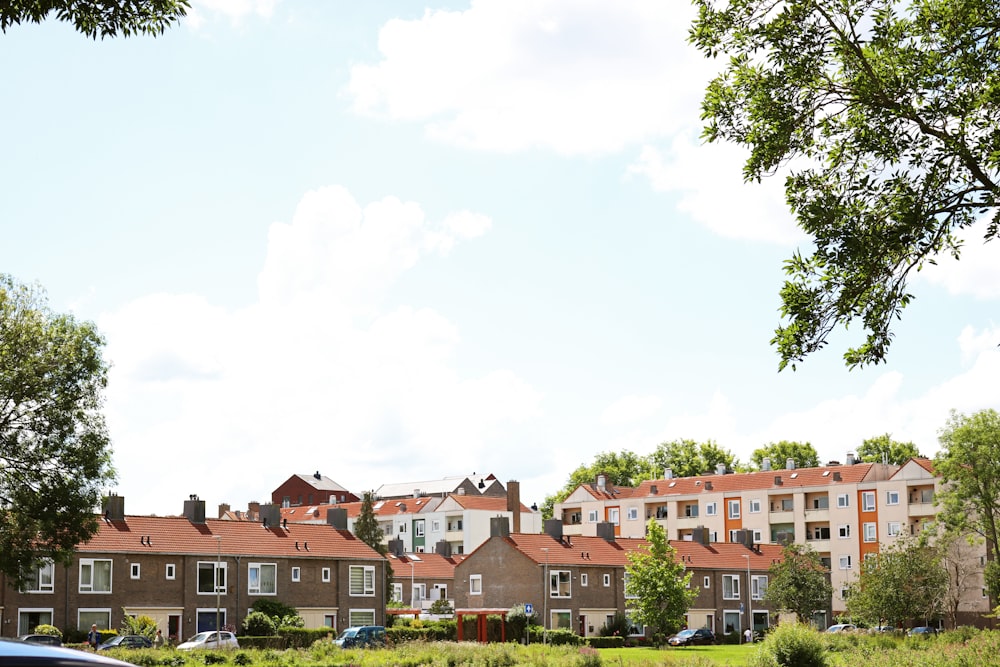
(490, 503)
(737, 482)
(426, 566)
(177, 535)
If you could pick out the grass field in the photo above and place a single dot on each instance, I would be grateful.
(729, 655)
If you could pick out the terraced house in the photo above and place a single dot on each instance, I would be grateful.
(190, 573)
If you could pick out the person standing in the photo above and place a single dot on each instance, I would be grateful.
(93, 637)
(158, 639)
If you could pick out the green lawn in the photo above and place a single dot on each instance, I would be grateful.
(727, 655)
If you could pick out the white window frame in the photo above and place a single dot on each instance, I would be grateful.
(584, 578)
(91, 562)
(325, 575)
(418, 529)
(256, 590)
(44, 581)
(843, 500)
(592, 516)
(418, 593)
(844, 531)
(633, 513)
(22, 628)
(758, 586)
(867, 501)
(170, 571)
(733, 535)
(894, 528)
(560, 584)
(367, 580)
(734, 587)
(475, 584)
(397, 592)
(733, 506)
(758, 536)
(711, 509)
(358, 617)
(93, 610)
(892, 497)
(135, 570)
(607, 580)
(707, 583)
(870, 532)
(217, 568)
(296, 574)
(754, 506)
(436, 526)
(845, 562)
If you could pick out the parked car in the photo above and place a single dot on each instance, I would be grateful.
(922, 631)
(362, 636)
(691, 637)
(48, 640)
(210, 640)
(16, 652)
(125, 641)
(842, 627)
(881, 628)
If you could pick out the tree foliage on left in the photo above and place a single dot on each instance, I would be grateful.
(55, 452)
(659, 582)
(104, 18)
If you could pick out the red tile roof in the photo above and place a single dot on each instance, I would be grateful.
(489, 503)
(177, 535)
(802, 477)
(425, 566)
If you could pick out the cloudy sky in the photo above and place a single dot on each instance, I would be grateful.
(396, 242)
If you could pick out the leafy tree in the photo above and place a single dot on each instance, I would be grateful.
(803, 453)
(138, 625)
(273, 608)
(960, 559)
(622, 469)
(259, 624)
(659, 583)
(367, 530)
(687, 458)
(905, 580)
(888, 112)
(969, 465)
(55, 453)
(897, 453)
(107, 18)
(799, 583)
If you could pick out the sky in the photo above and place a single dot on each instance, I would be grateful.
(397, 242)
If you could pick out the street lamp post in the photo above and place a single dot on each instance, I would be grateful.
(749, 600)
(545, 600)
(413, 585)
(218, 590)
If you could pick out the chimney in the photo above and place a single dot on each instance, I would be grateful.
(514, 503)
(606, 531)
(700, 535)
(270, 514)
(253, 509)
(416, 493)
(765, 464)
(396, 547)
(500, 526)
(443, 548)
(114, 508)
(318, 476)
(789, 464)
(668, 474)
(720, 469)
(194, 509)
(337, 517)
(553, 528)
(223, 510)
(850, 458)
(602, 483)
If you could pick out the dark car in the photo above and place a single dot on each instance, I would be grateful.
(126, 641)
(691, 637)
(27, 654)
(48, 640)
(362, 636)
(922, 631)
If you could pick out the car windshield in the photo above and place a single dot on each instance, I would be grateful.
(349, 632)
(685, 633)
(202, 636)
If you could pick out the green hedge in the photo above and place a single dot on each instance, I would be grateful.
(277, 643)
(303, 637)
(606, 642)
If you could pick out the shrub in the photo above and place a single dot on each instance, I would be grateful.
(302, 637)
(213, 658)
(276, 643)
(259, 624)
(790, 645)
(45, 629)
(606, 642)
(441, 607)
(138, 625)
(562, 637)
(589, 657)
(618, 625)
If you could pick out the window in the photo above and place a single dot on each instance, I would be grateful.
(561, 619)
(402, 527)
(397, 592)
(171, 571)
(844, 530)
(707, 583)
(418, 528)
(362, 580)
(29, 619)
(633, 513)
(892, 497)
(296, 573)
(821, 503)
(613, 515)
(211, 577)
(734, 509)
(95, 575)
(690, 510)
(559, 584)
(583, 579)
(440, 592)
(734, 536)
(713, 536)
(262, 578)
(607, 579)
(418, 593)
(88, 617)
(325, 575)
(134, 570)
(629, 595)
(845, 562)
(730, 587)
(358, 617)
(710, 509)
(436, 526)
(40, 580)
(758, 586)
(843, 500)
(758, 536)
(475, 584)
(867, 501)
(754, 505)
(592, 516)
(870, 533)
(893, 529)
(845, 593)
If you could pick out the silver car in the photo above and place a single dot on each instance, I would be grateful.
(210, 639)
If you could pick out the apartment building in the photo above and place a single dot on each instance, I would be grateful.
(846, 513)
(190, 573)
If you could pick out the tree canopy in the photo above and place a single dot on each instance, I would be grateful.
(104, 18)
(55, 452)
(659, 583)
(803, 453)
(799, 583)
(969, 465)
(873, 450)
(687, 458)
(366, 526)
(886, 112)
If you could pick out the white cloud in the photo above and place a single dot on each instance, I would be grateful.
(709, 181)
(509, 75)
(233, 10)
(631, 409)
(317, 374)
(976, 272)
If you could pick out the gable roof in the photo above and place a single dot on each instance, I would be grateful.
(177, 535)
(916, 468)
(318, 482)
(426, 565)
(441, 486)
(748, 481)
(487, 503)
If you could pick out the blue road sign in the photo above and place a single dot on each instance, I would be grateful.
(528, 608)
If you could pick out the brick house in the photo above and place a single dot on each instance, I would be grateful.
(186, 571)
(311, 489)
(578, 582)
